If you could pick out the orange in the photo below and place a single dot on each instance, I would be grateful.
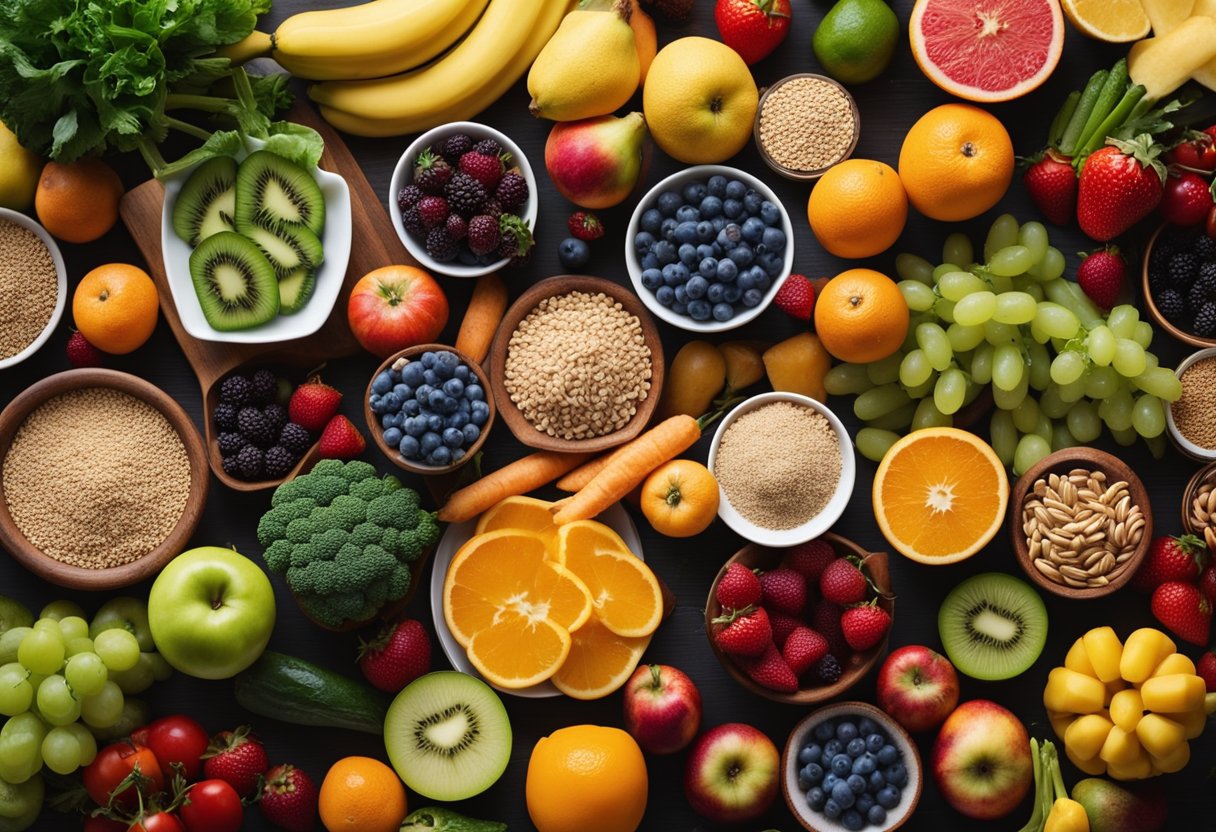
(115, 307)
(1114, 21)
(600, 661)
(956, 162)
(624, 592)
(858, 208)
(860, 316)
(526, 513)
(586, 778)
(940, 495)
(78, 202)
(361, 795)
(645, 36)
(680, 498)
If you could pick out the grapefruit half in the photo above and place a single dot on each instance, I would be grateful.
(987, 50)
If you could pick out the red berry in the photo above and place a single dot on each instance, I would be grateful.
(585, 226)
(864, 626)
(289, 799)
(825, 619)
(484, 168)
(803, 649)
(783, 590)
(399, 654)
(796, 297)
(771, 670)
(236, 758)
(744, 632)
(1207, 583)
(433, 210)
(83, 354)
(1183, 611)
(313, 404)
(842, 582)
(1206, 668)
(1052, 185)
(783, 625)
(340, 439)
(810, 559)
(738, 588)
(1170, 559)
(1186, 200)
(1102, 275)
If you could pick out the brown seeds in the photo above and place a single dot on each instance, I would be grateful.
(806, 124)
(29, 288)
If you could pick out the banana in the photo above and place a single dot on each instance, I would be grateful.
(477, 72)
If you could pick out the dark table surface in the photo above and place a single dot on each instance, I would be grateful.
(889, 106)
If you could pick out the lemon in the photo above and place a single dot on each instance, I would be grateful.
(19, 171)
(856, 39)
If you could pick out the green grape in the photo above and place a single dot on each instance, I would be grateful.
(914, 369)
(928, 416)
(1101, 382)
(1142, 334)
(1004, 436)
(912, 267)
(964, 338)
(161, 670)
(21, 747)
(1100, 344)
(73, 627)
(117, 648)
(1067, 367)
(1150, 361)
(1160, 382)
(1073, 392)
(1083, 422)
(1001, 334)
(85, 739)
(1061, 438)
(918, 296)
(86, 673)
(975, 309)
(57, 610)
(1122, 320)
(950, 390)
(41, 651)
(1026, 415)
(1042, 427)
(101, 710)
(1039, 367)
(51, 625)
(973, 390)
(61, 751)
(1000, 284)
(1050, 267)
(981, 364)
(884, 371)
(941, 271)
(879, 401)
(1033, 235)
(1008, 367)
(55, 701)
(139, 678)
(10, 641)
(957, 285)
(874, 443)
(16, 693)
(1037, 332)
(1125, 437)
(1156, 446)
(1014, 308)
(1116, 410)
(919, 391)
(1010, 261)
(1148, 416)
(78, 645)
(1129, 358)
(1051, 404)
(932, 339)
(1056, 321)
(944, 310)
(1009, 399)
(847, 380)
(1035, 291)
(1002, 233)
(1031, 448)
(958, 250)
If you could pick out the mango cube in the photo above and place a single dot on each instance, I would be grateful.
(1094, 767)
(1121, 747)
(1192, 722)
(1175, 761)
(1137, 768)
(1175, 663)
(1112, 688)
(1105, 651)
(1078, 660)
(1086, 735)
(1173, 694)
(1126, 708)
(1160, 735)
(1073, 692)
(1060, 722)
(1142, 652)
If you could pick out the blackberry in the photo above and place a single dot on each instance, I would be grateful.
(1197, 295)
(278, 462)
(440, 245)
(412, 220)
(1205, 320)
(231, 467)
(490, 147)
(1171, 305)
(1207, 276)
(225, 416)
(431, 172)
(1205, 247)
(512, 191)
(253, 426)
(408, 197)
(249, 463)
(1181, 273)
(231, 443)
(433, 210)
(235, 390)
(516, 237)
(263, 387)
(457, 226)
(466, 196)
(484, 235)
(455, 146)
(493, 207)
(275, 416)
(827, 670)
(295, 438)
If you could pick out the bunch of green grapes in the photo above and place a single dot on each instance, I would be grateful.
(63, 679)
(1058, 368)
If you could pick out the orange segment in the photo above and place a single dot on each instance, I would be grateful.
(600, 661)
(518, 650)
(939, 495)
(624, 591)
(526, 513)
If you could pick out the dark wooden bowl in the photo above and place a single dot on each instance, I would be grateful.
(115, 577)
(560, 285)
(1061, 462)
(754, 556)
(1151, 305)
(373, 421)
(1188, 496)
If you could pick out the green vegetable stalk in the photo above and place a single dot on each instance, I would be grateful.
(1053, 810)
(438, 819)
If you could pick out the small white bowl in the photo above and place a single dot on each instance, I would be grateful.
(822, 521)
(1183, 444)
(403, 175)
(335, 239)
(676, 182)
(61, 286)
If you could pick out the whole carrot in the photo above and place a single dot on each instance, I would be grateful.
(481, 319)
(519, 477)
(586, 472)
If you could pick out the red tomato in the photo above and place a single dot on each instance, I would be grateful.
(160, 822)
(177, 739)
(212, 806)
(100, 824)
(113, 763)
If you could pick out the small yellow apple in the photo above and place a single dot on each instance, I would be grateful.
(19, 171)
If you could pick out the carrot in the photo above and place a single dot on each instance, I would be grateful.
(481, 319)
(584, 473)
(519, 477)
(628, 466)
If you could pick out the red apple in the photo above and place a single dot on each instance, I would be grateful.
(731, 774)
(395, 307)
(981, 760)
(917, 687)
(662, 708)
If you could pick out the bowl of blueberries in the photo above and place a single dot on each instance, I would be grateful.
(429, 409)
(849, 766)
(708, 248)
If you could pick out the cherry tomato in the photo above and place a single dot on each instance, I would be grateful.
(212, 806)
(100, 824)
(159, 822)
(1199, 154)
(1187, 199)
(113, 763)
(177, 739)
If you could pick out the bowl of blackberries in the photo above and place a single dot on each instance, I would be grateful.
(463, 200)
(1179, 283)
(708, 248)
(429, 408)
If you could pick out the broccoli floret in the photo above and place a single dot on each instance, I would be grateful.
(273, 524)
(302, 529)
(365, 534)
(327, 468)
(278, 555)
(370, 489)
(399, 581)
(398, 509)
(356, 471)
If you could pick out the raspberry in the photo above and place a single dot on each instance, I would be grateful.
(408, 197)
(431, 172)
(484, 235)
(295, 438)
(485, 169)
(278, 462)
(455, 146)
(827, 670)
(466, 196)
(440, 245)
(458, 226)
(433, 210)
(512, 191)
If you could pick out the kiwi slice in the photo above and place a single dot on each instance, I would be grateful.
(206, 203)
(287, 248)
(448, 736)
(993, 626)
(235, 283)
(272, 192)
(295, 289)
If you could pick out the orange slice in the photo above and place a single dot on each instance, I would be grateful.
(624, 592)
(526, 513)
(939, 495)
(600, 662)
(518, 651)
(1114, 21)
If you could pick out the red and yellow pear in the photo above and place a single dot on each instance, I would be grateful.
(596, 162)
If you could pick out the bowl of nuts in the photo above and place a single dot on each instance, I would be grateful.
(1199, 505)
(1081, 523)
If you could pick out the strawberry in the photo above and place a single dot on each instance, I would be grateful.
(83, 354)
(340, 439)
(483, 167)
(399, 654)
(289, 799)
(738, 588)
(771, 671)
(746, 632)
(1186, 200)
(1120, 185)
(825, 619)
(585, 225)
(842, 582)
(1183, 611)
(1102, 274)
(783, 590)
(313, 404)
(236, 758)
(433, 210)
(796, 297)
(1207, 583)
(1171, 559)
(753, 28)
(810, 559)
(1206, 669)
(865, 625)
(1052, 184)
(803, 649)
(783, 625)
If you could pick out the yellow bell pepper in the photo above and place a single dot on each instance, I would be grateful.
(1067, 815)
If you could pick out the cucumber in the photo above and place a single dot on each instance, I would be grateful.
(293, 690)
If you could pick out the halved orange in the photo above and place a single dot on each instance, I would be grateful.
(600, 661)
(527, 513)
(518, 651)
(940, 495)
(624, 592)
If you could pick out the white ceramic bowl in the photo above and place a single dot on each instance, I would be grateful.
(822, 521)
(1183, 444)
(61, 286)
(403, 175)
(335, 238)
(676, 182)
(455, 536)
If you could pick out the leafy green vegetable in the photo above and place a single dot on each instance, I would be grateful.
(445, 820)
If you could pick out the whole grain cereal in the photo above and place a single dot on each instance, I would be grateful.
(96, 478)
(29, 287)
(779, 464)
(1195, 412)
(578, 365)
(806, 124)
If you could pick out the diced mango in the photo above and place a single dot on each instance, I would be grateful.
(1105, 651)
(1126, 708)
(1162, 64)
(1073, 692)
(1160, 735)
(1060, 722)
(1192, 722)
(1094, 767)
(798, 365)
(1173, 694)
(1112, 688)
(1137, 768)
(1142, 652)
(1120, 747)
(1086, 735)
(1078, 660)
(744, 366)
(1176, 760)
(1175, 663)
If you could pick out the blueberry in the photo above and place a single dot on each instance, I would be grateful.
(679, 308)
(876, 781)
(408, 447)
(652, 278)
(376, 403)
(746, 281)
(392, 436)
(452, 437)
(865, 764)
(463, 405)
(825, 730)
(732, 209)
(763, 282)
(411, 407)
(832, 810)
(434, 423)
(449, 405)
(752, 202)
(386, 420)
(856, 746)
(866, 726)
(733, 293)
(742, 256)
(809, 753)
(457, 420)
(716, 185)
(887, 754)
(403, 391)
(833, 747)
(877, 815)
(753, 229)
(696, 287)
(710, 207)
(642, 241)
(688, 254)
(699, 310)
(479, 413)
(829, 782)
(770, 213)
(842, 764)
(856, 782)
(705, 231)
(650, 260)
(382, 383)
(667, 230)
(463, 373)
(446, 363)
(686, 232)
(875, 742)
(668, 202)
(681, 273)
(573, 253)
(864, 802)
(843, 795)
(681, 294)
(719, 222)
(773, 239)
(669, 275)
(695, 192)
(665, 251)
(453, 387)
(708, 267)
(752, 298)
(430, 377)
(427, 360)
(723, 312)
(474, 393)
(415, 426)
(665, 295)
(735, 189)
(651, 219)
(813, 772)
(435, 399)
(852, 820)
(686, 213)
(471, 433)
(727, 270)
(815, 798)
(887, 797)
(429, 442)
(715, 292)
(896, 774)
(771, 262)
(440, 456)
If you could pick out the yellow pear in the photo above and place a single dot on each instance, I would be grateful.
(588, 68)
(19, 171)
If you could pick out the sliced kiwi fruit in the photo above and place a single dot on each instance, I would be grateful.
(235, 283)
(287, 247)
(448, 736)
(993, 626)
(206, 203)
(295, 289)
(273, 192)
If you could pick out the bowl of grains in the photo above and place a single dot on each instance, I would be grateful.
(805, 123)
(102, 480)
(576, 366)
(1199, 506)
(33, 287)
(1191, 421)
(1081, 523)
(785, 468)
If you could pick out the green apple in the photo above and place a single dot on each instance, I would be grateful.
(211, 611)
(126, 613)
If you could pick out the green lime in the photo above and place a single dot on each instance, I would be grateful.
(856, 39)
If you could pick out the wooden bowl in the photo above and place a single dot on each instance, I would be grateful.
(797, 174)
(552, 287)
(1188, 497)
(1061, 462)
(754, 556)
(1151, 305)
(76, 577)
(373, 421)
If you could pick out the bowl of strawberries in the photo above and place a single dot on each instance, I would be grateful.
(804, 624)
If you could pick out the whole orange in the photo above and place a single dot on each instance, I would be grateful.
(78, 202)
(680, 498)
(360, 794)
(858, 208)
(860, 316)
(956, 162)
(586, 778)
(115, 307)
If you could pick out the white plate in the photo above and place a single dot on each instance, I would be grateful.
(457, 534)
(335, 238)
